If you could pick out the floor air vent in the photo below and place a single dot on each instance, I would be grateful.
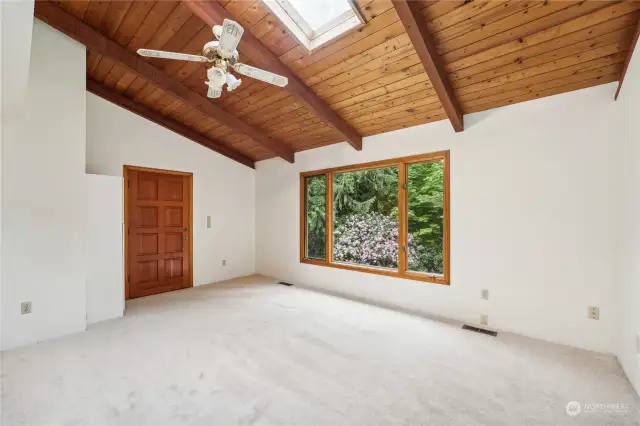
(283, 283)
(479, 330)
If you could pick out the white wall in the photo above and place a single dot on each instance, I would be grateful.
(2, 137)
(16, 27)
(16, 24)
(222, 188)
(534, 190)
(629, 291)
(43, 200)
(104, 236)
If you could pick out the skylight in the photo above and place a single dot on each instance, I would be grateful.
(315, 22)
(319, 12)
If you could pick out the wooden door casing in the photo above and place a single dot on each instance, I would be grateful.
(159, 231)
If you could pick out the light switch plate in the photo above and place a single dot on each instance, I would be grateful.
(484, 294)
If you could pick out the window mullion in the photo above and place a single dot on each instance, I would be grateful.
(329, 219)
(402, 218)
(303, 218)
(447, 219)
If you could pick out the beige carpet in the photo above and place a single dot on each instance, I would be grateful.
(253, 352)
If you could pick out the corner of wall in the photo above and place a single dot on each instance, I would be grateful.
(16, 24)
(43, 224)
(628, 297)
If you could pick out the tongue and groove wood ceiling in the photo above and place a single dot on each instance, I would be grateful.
(495, 53)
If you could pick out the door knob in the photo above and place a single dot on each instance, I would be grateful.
(186, 237)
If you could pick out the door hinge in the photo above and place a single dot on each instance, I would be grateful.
(128, 183)
(128, 278)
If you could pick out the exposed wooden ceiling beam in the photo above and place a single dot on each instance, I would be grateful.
(413, 21)
(161, 120)
(98, 43)
(212, 13)
(634, 42)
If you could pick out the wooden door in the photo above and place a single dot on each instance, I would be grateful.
(159, 232)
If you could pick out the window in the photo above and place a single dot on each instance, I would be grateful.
(315, 22)
(365, 217)
(388, 217)
(425, 217)
(319, 13)
(315, 203)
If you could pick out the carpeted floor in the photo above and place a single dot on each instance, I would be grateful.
(254, 352)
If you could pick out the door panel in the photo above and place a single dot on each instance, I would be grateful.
(147, 217)
(173, 216)
(148, 243)
(173, 242)
(159, 209)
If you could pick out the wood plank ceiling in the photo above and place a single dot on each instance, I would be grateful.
(495, 53)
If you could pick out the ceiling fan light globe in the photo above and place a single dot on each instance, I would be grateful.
(232, 82)
(216, 76)
(214, 91)
(217, 31)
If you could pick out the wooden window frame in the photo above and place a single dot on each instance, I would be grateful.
(403, 200)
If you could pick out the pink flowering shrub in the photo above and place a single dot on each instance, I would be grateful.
(372, 239)
(369, 239)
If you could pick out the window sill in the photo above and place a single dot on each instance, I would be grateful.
(415, 276)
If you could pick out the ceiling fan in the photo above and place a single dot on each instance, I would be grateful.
(219, 56)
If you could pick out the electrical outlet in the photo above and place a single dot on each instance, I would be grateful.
(224, 262)
(484, 294)
(484, 319)
(25, 308)
(594, 313)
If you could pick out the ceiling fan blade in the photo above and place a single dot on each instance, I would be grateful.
(171, 55)
(262, 75)
(230, 37)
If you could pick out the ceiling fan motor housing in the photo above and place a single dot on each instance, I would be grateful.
(210, 50)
